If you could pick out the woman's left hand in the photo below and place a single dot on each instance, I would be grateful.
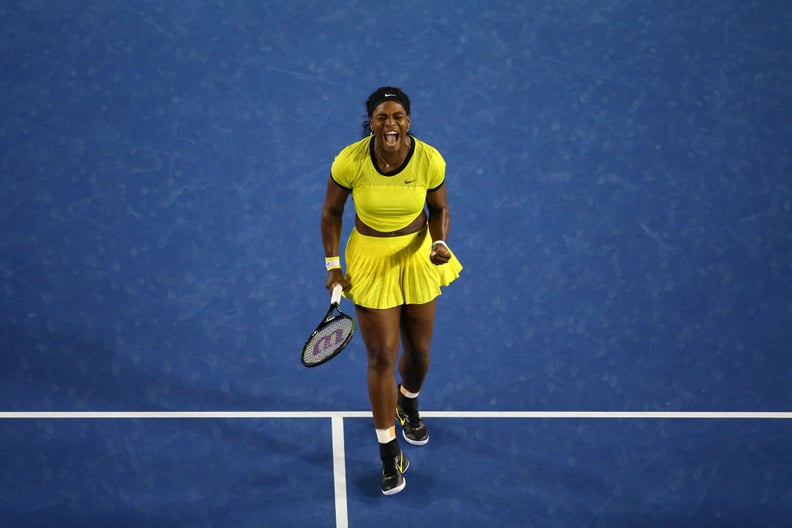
(439, 255)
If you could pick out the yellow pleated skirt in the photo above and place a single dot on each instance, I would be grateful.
(384, 272)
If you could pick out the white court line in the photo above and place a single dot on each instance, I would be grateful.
(702, 415)
(126, 415)
(339, 472)
(706, 415)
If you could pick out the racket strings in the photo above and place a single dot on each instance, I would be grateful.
(328, 339)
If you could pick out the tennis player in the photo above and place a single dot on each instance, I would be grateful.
(396, 258)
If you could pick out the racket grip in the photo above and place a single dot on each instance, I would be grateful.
(335, 298)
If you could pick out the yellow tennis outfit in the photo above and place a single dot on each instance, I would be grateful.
(384, 272)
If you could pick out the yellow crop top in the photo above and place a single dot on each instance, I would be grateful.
(388, 202)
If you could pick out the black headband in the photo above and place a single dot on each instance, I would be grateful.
(388, 96)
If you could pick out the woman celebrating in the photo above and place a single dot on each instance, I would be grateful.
(396, 261)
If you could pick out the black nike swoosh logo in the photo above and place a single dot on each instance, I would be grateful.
(407, 182)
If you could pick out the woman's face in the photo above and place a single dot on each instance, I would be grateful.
(390, 124)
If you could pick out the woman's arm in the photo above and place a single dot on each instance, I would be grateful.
(439, 224)
(332, 217)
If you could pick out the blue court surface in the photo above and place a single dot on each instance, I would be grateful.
(615, 353)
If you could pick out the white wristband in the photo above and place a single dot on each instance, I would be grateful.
(332, 263)
(441, 242)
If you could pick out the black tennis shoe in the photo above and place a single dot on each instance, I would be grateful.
(413, 427)
(393, 469)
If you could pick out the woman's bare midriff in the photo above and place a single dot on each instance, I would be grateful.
(413, 227)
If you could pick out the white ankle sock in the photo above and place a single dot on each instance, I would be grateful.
(407, 393)
(386, 435)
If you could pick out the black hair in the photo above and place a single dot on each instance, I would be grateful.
(379, 96)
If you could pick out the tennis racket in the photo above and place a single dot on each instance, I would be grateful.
(331, 336)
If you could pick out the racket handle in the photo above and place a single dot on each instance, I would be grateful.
(335, 298)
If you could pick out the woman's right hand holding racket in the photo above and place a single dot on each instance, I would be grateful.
(335, 276)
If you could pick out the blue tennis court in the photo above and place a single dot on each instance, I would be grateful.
(615, 353)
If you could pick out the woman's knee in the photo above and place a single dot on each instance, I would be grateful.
(419, 356)
(381, 359)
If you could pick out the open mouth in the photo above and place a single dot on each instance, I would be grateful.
(391, 138)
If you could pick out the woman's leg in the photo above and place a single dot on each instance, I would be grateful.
(380, 332)
(416, 331)
(417, 324)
